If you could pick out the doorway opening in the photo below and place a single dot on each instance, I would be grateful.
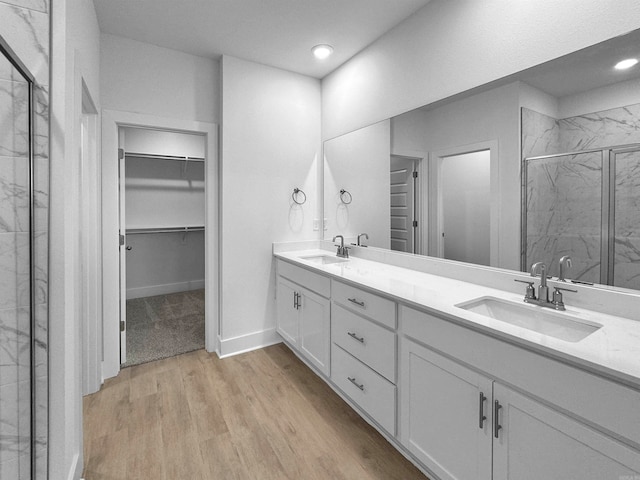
(463, 207)
(162, 253)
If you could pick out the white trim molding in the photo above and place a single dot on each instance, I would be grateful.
(111, 121)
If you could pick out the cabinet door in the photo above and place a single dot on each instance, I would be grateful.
(315, 338)
(441, 411)
(287, 321)
(536, 442)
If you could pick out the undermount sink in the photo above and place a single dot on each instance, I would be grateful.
(548, 322)
(324, 259)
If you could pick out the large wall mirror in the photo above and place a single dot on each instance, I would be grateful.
(533, 167)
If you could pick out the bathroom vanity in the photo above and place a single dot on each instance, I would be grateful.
(458, 373)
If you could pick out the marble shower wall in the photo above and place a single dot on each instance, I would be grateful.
(24, 25)
(563, 194)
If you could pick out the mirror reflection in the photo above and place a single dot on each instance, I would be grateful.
(538, 166)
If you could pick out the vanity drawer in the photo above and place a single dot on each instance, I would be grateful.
(372, 392)
(373, 306)
(365, 340)
(312, 281)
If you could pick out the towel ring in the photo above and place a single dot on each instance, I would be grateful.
(344, 195)
(294, 196)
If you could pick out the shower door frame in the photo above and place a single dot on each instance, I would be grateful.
(11, 56)
(607, 209)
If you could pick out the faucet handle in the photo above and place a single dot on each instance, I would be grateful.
(531, 291)
(557, 300)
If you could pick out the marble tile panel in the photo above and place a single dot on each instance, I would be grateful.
(14, 194)
(41, 340)
(42, 412)
(14, 265)
(14, 345)
(41, 267)
(626, 271)
(41, 121)
(24, 417)
(617, 126)
(14, 122)
(27, 33)
(540, 134)
(9, 438)
(38, 5)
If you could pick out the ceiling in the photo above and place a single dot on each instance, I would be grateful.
(279, 33)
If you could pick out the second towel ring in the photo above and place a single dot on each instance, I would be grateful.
(345, 197)
(294, 196)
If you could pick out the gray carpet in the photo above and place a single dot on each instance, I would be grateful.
(164, 326)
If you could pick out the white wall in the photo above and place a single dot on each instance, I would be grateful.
(451, 46)
(491, 116)
(143, 78)
(270, 145)
(359, 162)
(599, 99)
(75, 57)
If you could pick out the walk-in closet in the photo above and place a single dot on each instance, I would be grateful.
(162, 212)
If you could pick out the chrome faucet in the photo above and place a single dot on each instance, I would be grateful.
(362, 235)
(542, 299)
(565, 264)
(342, 250)
(543, 290)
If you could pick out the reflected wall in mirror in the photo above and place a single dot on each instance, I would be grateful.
(563, 175)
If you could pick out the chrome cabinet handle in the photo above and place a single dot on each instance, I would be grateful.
(359, 385)
(356, 337)
(129, 247)
(482, 417)
(354, 300)
(496, 421)
(296, 300)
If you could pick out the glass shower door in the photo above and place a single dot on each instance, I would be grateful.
(563, 212)
(626, 231)
(16, 290)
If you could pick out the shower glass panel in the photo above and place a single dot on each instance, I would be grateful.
(563, 212)
(626, 269)
(16, 274)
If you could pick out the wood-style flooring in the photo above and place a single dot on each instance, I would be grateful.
(260, 415)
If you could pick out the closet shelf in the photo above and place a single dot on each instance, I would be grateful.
(138, 231)
(163, 157)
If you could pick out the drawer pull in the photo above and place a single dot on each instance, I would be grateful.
(496, 421)
(359, 385)
(356, 337)
(482, 416)
(354, 300)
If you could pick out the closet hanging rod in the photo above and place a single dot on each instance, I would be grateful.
(163, 157)
(137, 231)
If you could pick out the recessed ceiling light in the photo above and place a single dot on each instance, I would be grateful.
(322, 51)
(624, 64)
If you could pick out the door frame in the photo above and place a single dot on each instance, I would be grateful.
(435, 197)
(112, 120)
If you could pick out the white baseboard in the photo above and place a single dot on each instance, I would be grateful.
(152, 290)
(246, 343)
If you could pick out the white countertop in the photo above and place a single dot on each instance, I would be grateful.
(613, 350)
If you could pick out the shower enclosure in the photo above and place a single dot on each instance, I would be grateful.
(585, 204)
(17, 287)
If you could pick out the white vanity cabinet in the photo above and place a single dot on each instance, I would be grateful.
(535, 441)
(303, 315)
(363, 351)
(445, 414)
(462, 424)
